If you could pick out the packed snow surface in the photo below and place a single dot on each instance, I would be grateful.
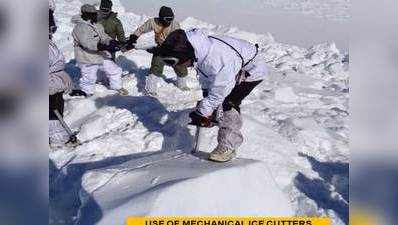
(176, 183)
(135, 153)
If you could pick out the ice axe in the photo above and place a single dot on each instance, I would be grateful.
(72, 136)
(197, 140)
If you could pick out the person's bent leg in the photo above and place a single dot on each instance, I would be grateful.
(153, 80)
(157, 66)
(114, 74)
(229, 136)
(240, 92)
(88, 77)
(182, 77)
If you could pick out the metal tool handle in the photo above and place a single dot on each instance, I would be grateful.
(197, 140)
(61, 120)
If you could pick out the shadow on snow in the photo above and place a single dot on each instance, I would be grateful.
(333, 174)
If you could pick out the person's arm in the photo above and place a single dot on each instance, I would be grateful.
(144, 28)
(204, 83)
(59, 82)
(120, 31)
(104, 37)
(221, 86)
(86, 37)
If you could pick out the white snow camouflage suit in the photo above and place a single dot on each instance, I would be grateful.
(58, 83)
(217, 65)
(86, 37)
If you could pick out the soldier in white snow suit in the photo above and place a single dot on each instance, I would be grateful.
(229, 69)
(93, 48)
(58, 83)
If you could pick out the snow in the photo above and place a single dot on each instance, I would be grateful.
(134, 158)
(176, 183)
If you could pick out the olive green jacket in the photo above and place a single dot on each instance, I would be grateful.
(113, 27)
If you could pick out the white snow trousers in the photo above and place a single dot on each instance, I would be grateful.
(89, 75)
(57, 133)
(229, 134)
(229, 117)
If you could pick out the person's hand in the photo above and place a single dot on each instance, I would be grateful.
(153, 50)
(113, 46)
(199, 120)
(132, 39)
(205, 93)
(128, 47)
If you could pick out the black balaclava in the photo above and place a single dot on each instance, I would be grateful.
(105, 8)
(177, 45)
(89, 16)
(165, 13)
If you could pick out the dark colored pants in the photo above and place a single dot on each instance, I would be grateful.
(240, 92)
(56, 102)
(157, 66)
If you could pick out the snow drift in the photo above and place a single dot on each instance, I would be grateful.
(175, 183)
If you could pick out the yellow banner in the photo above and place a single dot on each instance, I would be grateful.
(216, 220)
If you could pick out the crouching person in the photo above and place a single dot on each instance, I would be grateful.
(162, 26)
(93, 52)
(59, 82)
(229, 69)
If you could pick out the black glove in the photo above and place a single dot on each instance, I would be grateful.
(199, 120)
(154, 50)
(128, 46)
(205, 93)
(132, 39)
(113, 46)
(101, 47)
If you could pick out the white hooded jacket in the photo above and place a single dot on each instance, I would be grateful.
(86, 37)
(58, 79)
(218, 64)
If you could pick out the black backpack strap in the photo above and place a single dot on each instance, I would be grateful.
(198, 70)
(256, 45)
(240, 56)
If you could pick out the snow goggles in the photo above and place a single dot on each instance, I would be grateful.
(170, 61)
(105, 10)
(167, 18)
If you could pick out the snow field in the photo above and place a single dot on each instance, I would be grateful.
(133, 154)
